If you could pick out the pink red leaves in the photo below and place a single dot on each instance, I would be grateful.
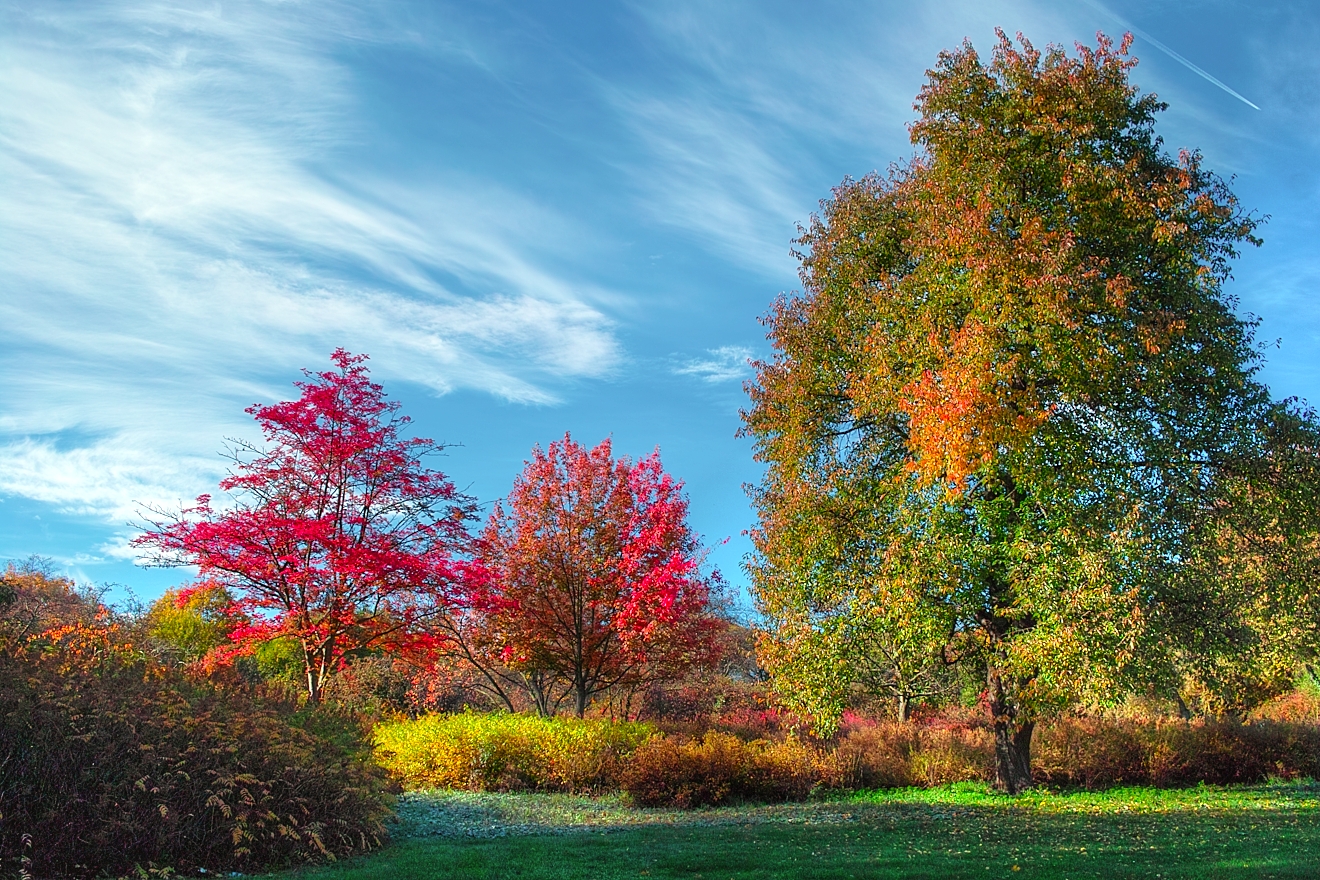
(338, 535)
(595, 571)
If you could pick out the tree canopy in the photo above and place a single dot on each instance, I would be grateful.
(1013, 419)
(593, 582)
(337, 534)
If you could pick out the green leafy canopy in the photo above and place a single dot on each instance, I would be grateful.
(1013, 419)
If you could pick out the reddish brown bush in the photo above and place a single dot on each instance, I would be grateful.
(889, 755)
(112, 761)
(719, 767)
(1295, 707)
(1090, 752)
(1094, 753)
(1074, 751)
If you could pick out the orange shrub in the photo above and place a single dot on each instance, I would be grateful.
(946, 756)
(1098, 752)
(1296, 707)
(887, 754)
(717, 768)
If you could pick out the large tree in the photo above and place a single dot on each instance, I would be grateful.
(1012, 413)
(336, 533)
(594, 582)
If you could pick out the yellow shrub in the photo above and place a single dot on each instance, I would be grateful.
(505, 752)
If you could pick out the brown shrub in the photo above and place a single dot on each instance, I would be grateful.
(1090, 752)
(940, 748)
(875, 756)
(1099, 752)
(112, 761)
(946, 756)
(719, 767)
(1295, 707)
(891, 755)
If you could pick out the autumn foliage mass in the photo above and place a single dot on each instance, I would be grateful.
(1028, 516)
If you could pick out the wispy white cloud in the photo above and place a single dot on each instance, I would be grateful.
(763, 113)
(720, 180)
(178, 235)
(728, 363)
(104, 478)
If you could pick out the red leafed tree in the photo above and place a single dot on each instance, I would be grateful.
(337, 535)
(594, 578)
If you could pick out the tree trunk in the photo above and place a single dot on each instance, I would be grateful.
(904, 710)
(540, 685)
(1013, 756)
(315, 663)
(1012, 738)
(313, 686)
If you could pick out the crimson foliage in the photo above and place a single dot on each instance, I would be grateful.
(338, 535)
(593, 584)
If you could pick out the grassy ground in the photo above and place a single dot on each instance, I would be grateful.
(956, 831)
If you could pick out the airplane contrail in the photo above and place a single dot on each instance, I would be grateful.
(1167, 51)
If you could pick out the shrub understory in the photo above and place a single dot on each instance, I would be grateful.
(111, 762)
(507, 752)
(1083, 752)
(503, 752)
(1098, 753)
(717, 768)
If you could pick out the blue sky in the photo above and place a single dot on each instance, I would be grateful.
(535, 218)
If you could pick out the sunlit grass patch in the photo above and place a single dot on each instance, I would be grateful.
(964, 830)
(1297, 794)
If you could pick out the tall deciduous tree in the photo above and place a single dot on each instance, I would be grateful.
(594, 580)
(1012, 412)
(337, 535)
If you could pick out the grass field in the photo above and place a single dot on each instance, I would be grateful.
(956, 831)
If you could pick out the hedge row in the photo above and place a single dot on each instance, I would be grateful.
(502, 752)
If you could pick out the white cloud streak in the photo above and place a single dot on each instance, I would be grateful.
(764, 112)
(177, 239)
(1138, 32)
(728, 363)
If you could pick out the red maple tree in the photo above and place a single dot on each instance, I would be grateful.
(594, 579)
(337, 535)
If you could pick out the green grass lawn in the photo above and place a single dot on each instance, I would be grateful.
(956, 831)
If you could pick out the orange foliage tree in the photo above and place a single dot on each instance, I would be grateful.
(1012, 413)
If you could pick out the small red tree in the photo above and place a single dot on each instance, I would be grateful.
(338, 535)
(594, 578)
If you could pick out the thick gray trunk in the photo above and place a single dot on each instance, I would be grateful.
(1013, 757)
(1012, 738)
